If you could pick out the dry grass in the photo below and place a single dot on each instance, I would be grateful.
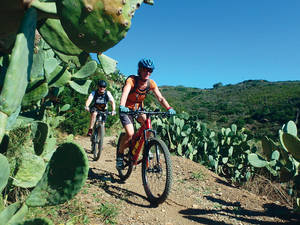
(262, 186)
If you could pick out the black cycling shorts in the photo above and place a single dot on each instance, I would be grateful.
(94, 109)
(126, 119)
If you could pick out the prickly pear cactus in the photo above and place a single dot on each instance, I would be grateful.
(72, 28)
(97, 25)
(282, 159)
(37, 66)
(65, 174)
(292, 144)
(16, 77)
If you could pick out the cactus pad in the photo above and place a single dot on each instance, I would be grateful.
(58, 39)
(87, 70)
(78, 61)
(35, 94)
(256, 160)
(40, 132)
(292, 144)
(290, 127)
(8, 212)
(4, 172)
(267, 148)
(107, 64)
(65, 174)
(30, 170)
(38, 221)
(13, 214)
(96, 25)
(59, 77)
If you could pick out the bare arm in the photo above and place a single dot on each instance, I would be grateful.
(88, 101)
(112, 101)
(125, 94)
(160, 98)
(113, 105)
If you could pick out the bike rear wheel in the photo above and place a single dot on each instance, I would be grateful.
(157, 171)
(98, 142)
(125, 172)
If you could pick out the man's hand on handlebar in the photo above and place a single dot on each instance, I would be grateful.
(87, 108)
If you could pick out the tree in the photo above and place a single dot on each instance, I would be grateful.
(217, 85)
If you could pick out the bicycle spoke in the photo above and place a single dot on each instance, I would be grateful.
(156, 172)
(125, 172)
(98, 142)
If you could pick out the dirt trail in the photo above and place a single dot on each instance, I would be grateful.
(198, 196)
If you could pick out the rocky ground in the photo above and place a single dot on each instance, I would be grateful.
(198, 196)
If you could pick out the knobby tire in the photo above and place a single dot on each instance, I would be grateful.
(157, 172)
(98, 142)
(127, 162)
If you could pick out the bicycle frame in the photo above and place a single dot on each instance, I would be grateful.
(99, 120)
(141, 134)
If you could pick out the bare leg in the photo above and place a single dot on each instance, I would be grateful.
(93, 119)
(129, 131)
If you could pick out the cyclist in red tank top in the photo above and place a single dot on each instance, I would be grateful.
(133, 95)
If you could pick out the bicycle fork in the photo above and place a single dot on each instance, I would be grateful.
(150, 154)
(96, 134)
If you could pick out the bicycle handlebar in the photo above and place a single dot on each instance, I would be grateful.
(105, 112)
(148, 113)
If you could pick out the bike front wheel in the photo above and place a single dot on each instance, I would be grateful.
(157, 171)
(125, 172)
(98, 142)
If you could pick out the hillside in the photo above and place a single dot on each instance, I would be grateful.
(198, 196)
(259, 105)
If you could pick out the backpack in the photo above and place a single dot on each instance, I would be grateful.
(135, 88)
(101, 106)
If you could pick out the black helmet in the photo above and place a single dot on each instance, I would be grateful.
(146, 63)
(102, 83)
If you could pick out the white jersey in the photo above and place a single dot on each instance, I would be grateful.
(109, 95)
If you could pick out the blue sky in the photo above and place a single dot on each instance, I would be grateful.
(197, 43)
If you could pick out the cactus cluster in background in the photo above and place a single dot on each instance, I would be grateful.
(282, 159)
(231, 153)
(225, 152)
(44, 48)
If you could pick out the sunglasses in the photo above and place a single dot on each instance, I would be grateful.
(101, 87)
(148, 69)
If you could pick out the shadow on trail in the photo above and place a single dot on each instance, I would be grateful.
(225, 183)
(107, 181)
(102, 176)
(240, 214)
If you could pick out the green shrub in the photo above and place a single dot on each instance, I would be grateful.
(223, 119)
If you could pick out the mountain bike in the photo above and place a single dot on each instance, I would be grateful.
(156, 160)
(98, 134)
